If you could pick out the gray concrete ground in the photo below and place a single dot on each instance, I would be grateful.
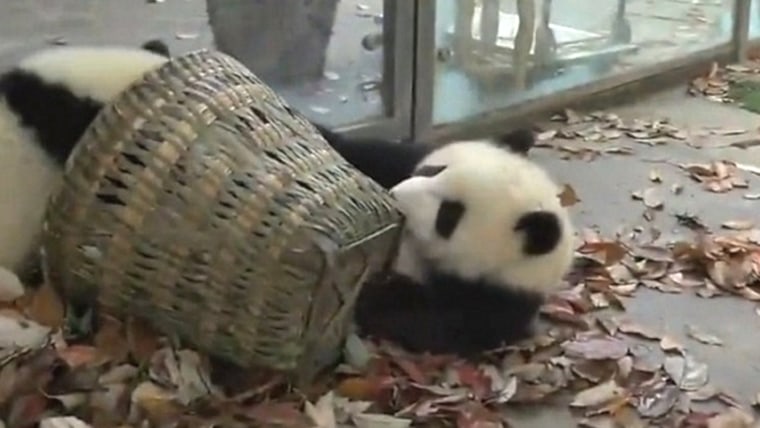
(605, 185)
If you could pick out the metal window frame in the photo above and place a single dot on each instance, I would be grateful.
(422, 127)
(398, 75)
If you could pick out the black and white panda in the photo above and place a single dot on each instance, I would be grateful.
(46, 102)
(485, 239)
(390, 162)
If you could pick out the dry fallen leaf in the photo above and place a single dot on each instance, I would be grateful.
(110, 340)
(686, 372)
(652, 198)
(738, 225)
(142, 339)
(369, 420)
(46, 307)
(598, 395)
(731, 418)
(596, 348)
(702, 336)
(670, 344)
(323, 412)
(568, 197)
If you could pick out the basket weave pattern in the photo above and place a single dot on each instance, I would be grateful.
(199, 201)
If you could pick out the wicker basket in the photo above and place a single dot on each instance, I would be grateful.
(200, 202)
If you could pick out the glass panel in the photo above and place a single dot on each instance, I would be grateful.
(526, 49)
(754, 19)
(324, 56)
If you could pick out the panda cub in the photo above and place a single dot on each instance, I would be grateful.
(47, 101)
(485, 239)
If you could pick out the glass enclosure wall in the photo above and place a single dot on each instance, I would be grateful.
(493, 54)
(354, 64)
(754, 20)
(327, 57)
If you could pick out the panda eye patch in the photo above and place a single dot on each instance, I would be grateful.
(428, 170)
(448, 217)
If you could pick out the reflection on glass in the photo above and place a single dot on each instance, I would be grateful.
(325, 57)
(754, 19)
(496, 53)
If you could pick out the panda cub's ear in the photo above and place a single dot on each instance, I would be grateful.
(428, 170)
(518, 141)
(542, 231)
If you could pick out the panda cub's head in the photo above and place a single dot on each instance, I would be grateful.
(480, 212)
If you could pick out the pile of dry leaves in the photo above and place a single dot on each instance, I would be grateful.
(715, 85)
(610, 370)
(605, 127)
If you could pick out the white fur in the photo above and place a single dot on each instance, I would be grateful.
(100, 73)
(27, 175)
(497, 188)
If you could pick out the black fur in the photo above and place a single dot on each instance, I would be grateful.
(447, 315)
(447, 218)
(51, 111)
(57, 116)
(519, 141)
(390, 162)
(429, 170)
(542, 231)
(157, 46)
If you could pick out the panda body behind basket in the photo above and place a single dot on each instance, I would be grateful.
(199, 201)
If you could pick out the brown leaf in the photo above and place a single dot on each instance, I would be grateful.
(609, 252)
(473, 378)
(656, 401)
(702, 336)
(568, 197)
(546, 135)
(79, 355)
(475, 415)
(670, 344)
(731, 273)
(110, 340)
(652, 198)
(596, 348)
(686, 372)
(630, 327)
(598, 395)
(737, 225)
(562, 312)
(655, 176)
(27, 410)
(645, 358)
(46, 307)
(731, 418)
(281, 414)
(142, 339)
(365, 389)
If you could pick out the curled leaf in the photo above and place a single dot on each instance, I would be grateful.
(596, 348)
(598, 395)
(568, 197)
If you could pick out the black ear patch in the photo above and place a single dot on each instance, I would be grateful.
(542, 231)
(157, 46)
(428, 170)
(448, 217)
(519, 141)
